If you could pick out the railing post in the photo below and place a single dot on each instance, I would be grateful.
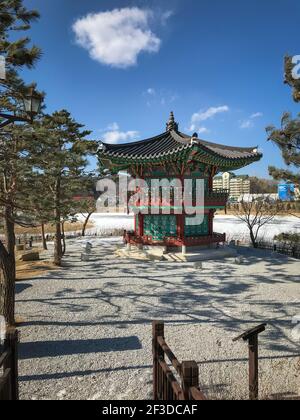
(11, 343)
(190, 377)
(157, 331)
(251, 336)
(253, 367)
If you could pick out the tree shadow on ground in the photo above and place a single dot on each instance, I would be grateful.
(179, 294)
(21, 287)
(48, 349)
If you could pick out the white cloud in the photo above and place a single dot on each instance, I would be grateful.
(165, 16)
(203, 130)
(112, 127)
(246, 124)
(201, 116)
(257, 115)
(208, 114)
(151, 91)
(114, 135)
(199, 129)
(117, 37)
(159, 97)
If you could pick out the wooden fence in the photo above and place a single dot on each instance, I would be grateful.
(9, 389)
(281, 248)
(166, 387)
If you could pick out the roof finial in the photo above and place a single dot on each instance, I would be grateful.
(172, 124)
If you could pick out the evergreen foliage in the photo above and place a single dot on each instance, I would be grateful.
(287, 137)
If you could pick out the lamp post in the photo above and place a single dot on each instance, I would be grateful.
(32, 102)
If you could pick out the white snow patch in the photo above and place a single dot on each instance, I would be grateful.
(233, 227)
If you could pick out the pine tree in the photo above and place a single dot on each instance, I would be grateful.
(61, 161)
(293, 82)
(14, 17)
(287, 138)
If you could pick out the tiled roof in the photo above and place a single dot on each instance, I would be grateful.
(173, 142)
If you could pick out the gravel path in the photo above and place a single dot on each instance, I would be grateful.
(87, 330)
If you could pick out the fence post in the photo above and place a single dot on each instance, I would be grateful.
(190, 377)
(157, 331)
(253, 367)
(252, 337)
(11, 343)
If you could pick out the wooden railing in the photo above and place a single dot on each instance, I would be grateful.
(9, 390)
(167, 387)
(132, 238)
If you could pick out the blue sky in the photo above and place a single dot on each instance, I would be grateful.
(217, 64)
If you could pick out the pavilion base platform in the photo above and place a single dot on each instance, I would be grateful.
(191, 254)
(203, 255)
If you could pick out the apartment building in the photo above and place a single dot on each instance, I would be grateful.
(236, 184)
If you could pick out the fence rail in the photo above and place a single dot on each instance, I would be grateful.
(183, 384)
(282, 248)
(9, 389)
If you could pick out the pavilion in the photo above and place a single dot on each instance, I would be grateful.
(170, 155)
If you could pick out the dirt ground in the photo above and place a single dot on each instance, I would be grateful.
(30, 269)
(69, 227)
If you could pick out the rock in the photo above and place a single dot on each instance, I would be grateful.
(239, 260)
(198, 265)
(20, 248)
(62, 394)
(87, 247)
(30, 256)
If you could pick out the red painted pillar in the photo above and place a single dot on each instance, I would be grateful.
(141, 225)
(181, 217)
(211, 222)
(210, 183)
(180, 226)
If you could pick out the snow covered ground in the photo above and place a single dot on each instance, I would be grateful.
(236, 229)
(233, 227)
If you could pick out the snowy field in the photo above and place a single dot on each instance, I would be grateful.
(230, 225)
(87, 328)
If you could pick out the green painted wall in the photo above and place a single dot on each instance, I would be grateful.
(160, 226)
(196, 229)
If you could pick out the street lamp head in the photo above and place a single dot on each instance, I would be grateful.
(32, 102)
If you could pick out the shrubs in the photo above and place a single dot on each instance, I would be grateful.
(290, 238)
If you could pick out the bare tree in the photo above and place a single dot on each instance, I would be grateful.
(256, 213)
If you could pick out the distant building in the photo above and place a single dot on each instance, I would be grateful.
(286, 191)
(236, 184)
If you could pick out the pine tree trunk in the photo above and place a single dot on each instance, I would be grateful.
(58, 254)
(58, 246)
(63, 239)
(44, 237)
(85, 224)
(8, 266)
(8, 289)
